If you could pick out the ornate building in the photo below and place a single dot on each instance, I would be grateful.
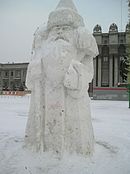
(107, 65)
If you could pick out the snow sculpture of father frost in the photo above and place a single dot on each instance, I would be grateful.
(58, 76)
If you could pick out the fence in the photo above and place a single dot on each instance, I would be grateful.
(14, 93)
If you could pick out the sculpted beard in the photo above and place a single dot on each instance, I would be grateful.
(57, 56)
(59, 46)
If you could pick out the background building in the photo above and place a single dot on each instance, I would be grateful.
(13, 76)
(109, 65)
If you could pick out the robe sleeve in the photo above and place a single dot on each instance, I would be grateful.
(80, 72)
(76, 79)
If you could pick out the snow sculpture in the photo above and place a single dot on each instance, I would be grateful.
(58, 76)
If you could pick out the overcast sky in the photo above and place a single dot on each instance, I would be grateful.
(20, 18)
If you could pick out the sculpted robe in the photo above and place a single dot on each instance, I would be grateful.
(60, 119)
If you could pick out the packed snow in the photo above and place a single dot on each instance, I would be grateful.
(111, 120)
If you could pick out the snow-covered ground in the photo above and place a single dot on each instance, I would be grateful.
(111, 122)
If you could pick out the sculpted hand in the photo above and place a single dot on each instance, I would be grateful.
(71, 78)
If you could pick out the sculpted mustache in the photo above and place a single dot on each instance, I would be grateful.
(61, 37)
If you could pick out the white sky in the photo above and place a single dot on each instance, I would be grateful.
(20, 18)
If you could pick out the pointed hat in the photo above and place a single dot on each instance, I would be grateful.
(66, 4)
(65, 14)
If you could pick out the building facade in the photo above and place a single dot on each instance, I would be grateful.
(107, 65)
(13, 76)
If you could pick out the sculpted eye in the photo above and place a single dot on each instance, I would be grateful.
(57, 27)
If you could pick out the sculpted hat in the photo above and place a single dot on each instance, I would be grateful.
(65, 14)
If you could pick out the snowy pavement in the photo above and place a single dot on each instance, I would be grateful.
(111, 122)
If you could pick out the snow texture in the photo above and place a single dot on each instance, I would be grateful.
(111, 120)
(59, 76)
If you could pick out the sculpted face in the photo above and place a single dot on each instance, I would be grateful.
(64, 32)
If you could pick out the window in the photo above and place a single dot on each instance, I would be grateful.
(12, 73)
(105, 72)
(105, 59)
(121, 41)
(105, 41)
(17, 73)
(17, 83)
(6, 74)
(97, 71)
